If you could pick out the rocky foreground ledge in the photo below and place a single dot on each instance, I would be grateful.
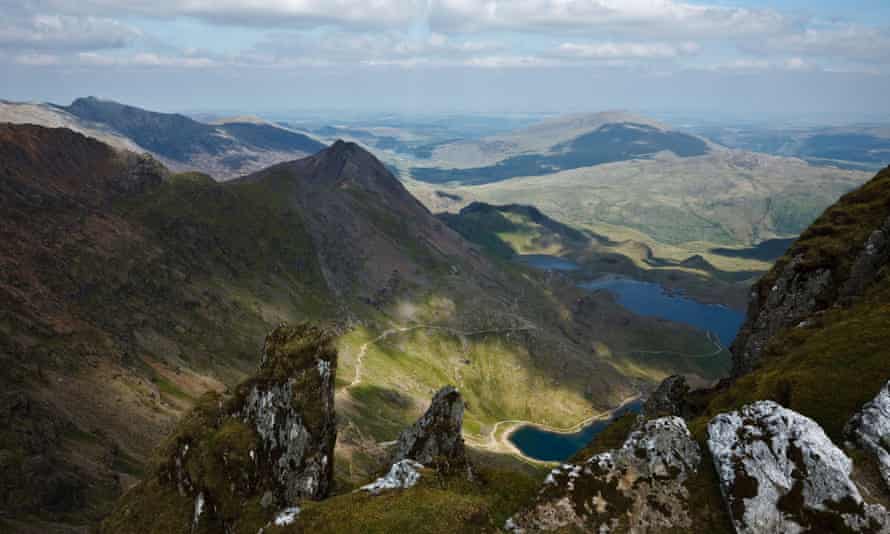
(777, 471)
(639, 487)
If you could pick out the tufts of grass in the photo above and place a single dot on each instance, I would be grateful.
(436, 504)
(825, 371)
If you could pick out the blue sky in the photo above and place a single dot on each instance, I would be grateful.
(739, 57)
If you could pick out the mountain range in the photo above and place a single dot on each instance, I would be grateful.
(225, 149)
(132, 292)
(792, 441)
(128, 291)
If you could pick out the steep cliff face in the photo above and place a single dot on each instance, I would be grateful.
(833, 262)
(236, 462)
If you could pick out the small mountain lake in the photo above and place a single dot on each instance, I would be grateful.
(652, 300)
(550, 446)
(642, 298)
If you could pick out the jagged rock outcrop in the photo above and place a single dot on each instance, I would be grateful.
(667, 399)
(290, 404)
(798, 287)
(874, 255)
(639, 487)
(870, 430)
(795, 295)
(402, 475)
(268, 446)
(779, 472)
(436, 437)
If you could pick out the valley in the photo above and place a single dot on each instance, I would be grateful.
(426, 267)
(170, 282)
(549, 299)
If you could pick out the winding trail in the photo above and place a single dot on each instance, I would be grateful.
(495, 441)
(718, 349)
(461, 334)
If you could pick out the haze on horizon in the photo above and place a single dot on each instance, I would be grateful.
(737, 57)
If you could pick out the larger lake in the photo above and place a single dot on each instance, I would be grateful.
(549, 446)
(651, 300)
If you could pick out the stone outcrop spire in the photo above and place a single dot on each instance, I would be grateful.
(436, 436)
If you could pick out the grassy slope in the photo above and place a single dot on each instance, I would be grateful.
(715, 199)
(132, 310)
(436, 504)
(830, 367)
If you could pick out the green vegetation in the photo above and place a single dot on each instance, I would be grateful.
(829, 242)
(826, 370)
(609, 143)
(718, 199)
(436, 504)
(504, 231)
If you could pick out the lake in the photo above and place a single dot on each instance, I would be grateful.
(642, 298)
(549, 446)
(651, 300)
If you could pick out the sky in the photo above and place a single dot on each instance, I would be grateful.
(732, 57)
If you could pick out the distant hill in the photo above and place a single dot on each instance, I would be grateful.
(608, 143)
(506, 231)
(224, 150)
(865, 147)
(562, 143)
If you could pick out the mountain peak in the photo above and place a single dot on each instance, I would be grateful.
(352, 160)
(347, 148)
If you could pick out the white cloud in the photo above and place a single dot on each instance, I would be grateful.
(760, 64)
(661, 18)
(379, 48)
(623, 50)
(64, 32)
(262, 13)
(852, 42)
(502, 62)
(145, 60)
(36, 60)
(415, 33)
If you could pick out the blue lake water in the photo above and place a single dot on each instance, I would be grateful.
(547, 263)
(642, 298)
(651, 300)
(548, 446)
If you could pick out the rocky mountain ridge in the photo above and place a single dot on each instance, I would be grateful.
(225, 150)
(129, 291)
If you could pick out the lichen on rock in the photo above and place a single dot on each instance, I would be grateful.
(639, 487)
(437, 436)
(667, 399)
(266, 447)
(870, 430)
(779, 472)
(402, 475)
(795, 295)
